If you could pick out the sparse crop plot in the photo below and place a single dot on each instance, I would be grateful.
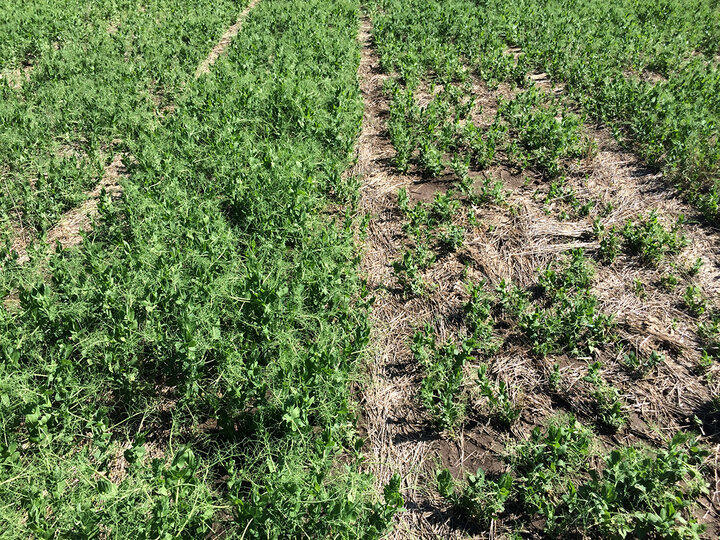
(359, 269)
(548, 209)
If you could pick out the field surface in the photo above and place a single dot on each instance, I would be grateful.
(360, 269)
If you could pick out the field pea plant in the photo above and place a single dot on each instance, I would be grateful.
(563, 320)
(535, 357)
(560, 476)
(185, 372)
(82, 79)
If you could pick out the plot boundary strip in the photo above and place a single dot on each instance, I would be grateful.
(222, 45)
(385, 398)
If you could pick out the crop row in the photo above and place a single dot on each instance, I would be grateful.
(671, 119)
(649, 69)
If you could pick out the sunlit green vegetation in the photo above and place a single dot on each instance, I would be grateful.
(608, 54)
(638, 492)
(186, 370)
(98, 75)
(591, 47)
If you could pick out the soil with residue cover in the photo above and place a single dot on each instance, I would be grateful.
(510, 238)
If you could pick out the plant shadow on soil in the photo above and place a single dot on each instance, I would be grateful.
(708, 420)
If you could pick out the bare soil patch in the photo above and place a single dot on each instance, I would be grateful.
(67, 232)
(15, 78)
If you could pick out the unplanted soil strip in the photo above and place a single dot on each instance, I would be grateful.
(387, 399)
(224, 42)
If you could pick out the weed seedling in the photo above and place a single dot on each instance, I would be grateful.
(461, 167)
(694, 270)
(555, 379)
(431, 159)
(650, 240)
(444, 208)
(669, 282)
(548, 461)
(609, 246)
(451, 237)
(639, 288)
(565, 319)
(709, 334)
(479, 319)
(640, 364)
(640, 495)
(607, 209)
(705, 362)
(408, 271)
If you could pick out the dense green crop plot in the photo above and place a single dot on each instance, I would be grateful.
(185, 372)
(79, 80)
